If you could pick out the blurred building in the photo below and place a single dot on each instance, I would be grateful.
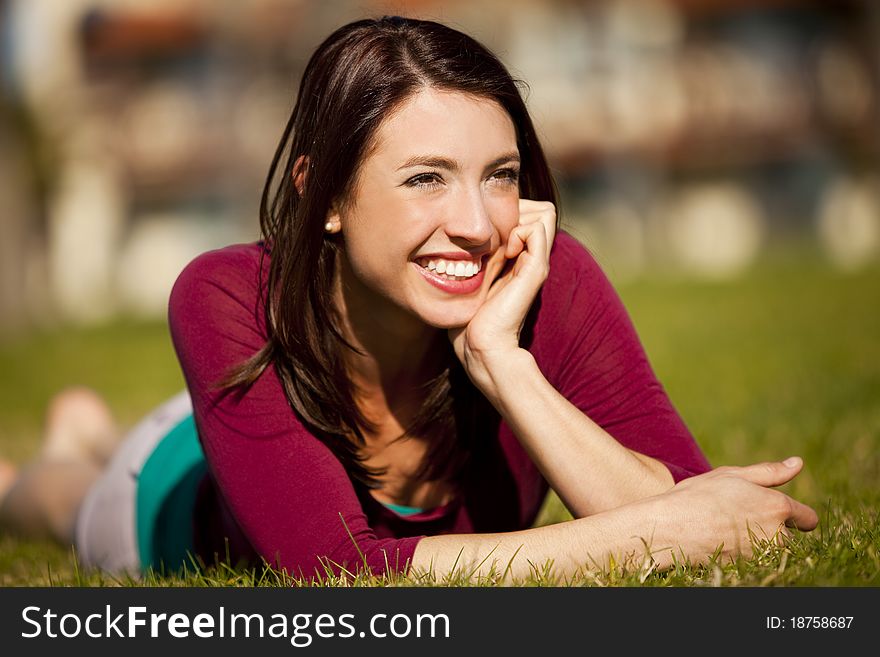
(685, 134)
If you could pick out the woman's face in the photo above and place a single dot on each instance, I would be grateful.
(432, 208)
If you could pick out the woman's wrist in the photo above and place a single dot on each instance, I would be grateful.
(493, 371)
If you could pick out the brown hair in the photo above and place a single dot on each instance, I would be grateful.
(353, 81)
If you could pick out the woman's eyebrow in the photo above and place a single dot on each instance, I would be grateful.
(433, 161)
(440, 162)
(507, 158)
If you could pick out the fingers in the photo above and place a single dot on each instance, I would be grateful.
(793, 516)
(539, 211)
(771, 474)
(530, 237)
(793, 513)
(802, 517)
(535, 217)
(515, 243)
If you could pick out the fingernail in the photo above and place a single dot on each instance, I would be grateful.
(791, 461)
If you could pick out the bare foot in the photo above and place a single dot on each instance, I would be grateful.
(8, 474)
(79, 426)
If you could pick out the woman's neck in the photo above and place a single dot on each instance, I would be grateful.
(398, 352)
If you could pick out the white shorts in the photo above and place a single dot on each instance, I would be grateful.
(106, 534)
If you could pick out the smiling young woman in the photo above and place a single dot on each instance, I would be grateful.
(409, 360)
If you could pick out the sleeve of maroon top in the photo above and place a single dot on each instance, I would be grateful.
(599, 364)
(285, 489)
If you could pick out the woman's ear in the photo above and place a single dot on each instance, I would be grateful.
(300, 168)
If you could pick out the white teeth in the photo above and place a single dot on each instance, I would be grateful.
(457, 268)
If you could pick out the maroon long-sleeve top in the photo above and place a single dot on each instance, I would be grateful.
(274, 490)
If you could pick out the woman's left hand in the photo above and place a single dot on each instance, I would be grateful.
(494, 329)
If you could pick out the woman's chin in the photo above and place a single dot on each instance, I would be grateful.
(448, 325)
(448, 321)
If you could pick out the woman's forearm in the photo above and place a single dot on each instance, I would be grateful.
(589, 470)
(718, 514)
(573, 546)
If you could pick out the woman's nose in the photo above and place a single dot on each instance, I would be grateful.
(469, 219)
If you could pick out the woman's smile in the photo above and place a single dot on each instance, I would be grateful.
(456, 275)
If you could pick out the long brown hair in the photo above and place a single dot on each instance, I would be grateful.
(353, 81)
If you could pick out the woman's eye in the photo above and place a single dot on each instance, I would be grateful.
(506, 176)
(424, 180)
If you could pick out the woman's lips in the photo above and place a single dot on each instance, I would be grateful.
(466, 286)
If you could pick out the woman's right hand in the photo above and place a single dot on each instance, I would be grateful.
(726, 507)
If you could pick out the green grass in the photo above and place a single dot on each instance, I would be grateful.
(783, 361)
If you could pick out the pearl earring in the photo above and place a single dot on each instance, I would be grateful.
(328, 226)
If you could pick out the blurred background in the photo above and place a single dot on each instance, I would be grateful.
(720, 158)
(687, 135)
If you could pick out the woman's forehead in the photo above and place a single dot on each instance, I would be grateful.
(453, 124)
